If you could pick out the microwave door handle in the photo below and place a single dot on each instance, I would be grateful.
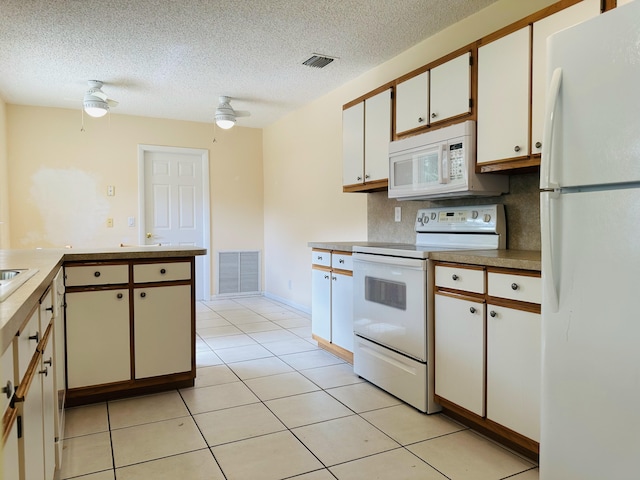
(443, 161)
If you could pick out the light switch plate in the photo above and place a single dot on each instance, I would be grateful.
(398, 214)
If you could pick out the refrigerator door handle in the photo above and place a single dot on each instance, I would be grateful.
(550, 291)
(547, 134)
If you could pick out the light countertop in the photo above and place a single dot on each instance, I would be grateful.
(17, 307)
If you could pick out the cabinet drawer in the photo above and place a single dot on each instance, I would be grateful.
(321, 257)
(25, 345)
(96, 275)
(343, 261)
(161, 272)
(515, 287)
(467, 279)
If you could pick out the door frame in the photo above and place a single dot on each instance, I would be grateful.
(206, 201)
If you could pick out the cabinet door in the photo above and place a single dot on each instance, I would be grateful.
(503, 97)
(377, 135)
(162, 330)
(541, 31)
(412, 103)
(10, 465)
(513, 370)
(49, 410)
(32, 437)
(459, 352)
(342, 310)
(321, 303)
(353, 144)
(450, 89)
(98, 348)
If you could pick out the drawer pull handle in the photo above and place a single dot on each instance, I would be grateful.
(472, 310)
(334, 278)
(96, 274)
(492, 313)
(143, 294)
(319, 257)
(341, 260)
(454, 277)
(48, 362)
(514, 286)
(49, 309)
(163, 271)
(35, 337)
(420, 119)
(434, 115)
(119, 296)
(326, 277)
(44, 372)
(8, 389)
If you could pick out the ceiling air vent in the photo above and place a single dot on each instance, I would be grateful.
(318, 61)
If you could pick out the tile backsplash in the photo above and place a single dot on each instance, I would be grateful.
(521, 205)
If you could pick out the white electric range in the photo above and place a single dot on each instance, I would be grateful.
(393, 342)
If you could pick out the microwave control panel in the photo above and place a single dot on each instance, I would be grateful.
(456, 161)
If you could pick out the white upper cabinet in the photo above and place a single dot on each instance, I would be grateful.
(541, 31)
(412, 103)
(451, 89)
(353, 144)
(377, 135)
(503, 97)
(366, 133)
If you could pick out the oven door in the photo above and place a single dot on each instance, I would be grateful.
(390, 302)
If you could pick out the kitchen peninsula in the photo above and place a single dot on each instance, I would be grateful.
(88, 325)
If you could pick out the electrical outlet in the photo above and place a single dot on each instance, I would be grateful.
(109, 222)
(398, 214)
(131, 221)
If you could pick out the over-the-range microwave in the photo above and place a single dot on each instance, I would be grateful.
(440, 164)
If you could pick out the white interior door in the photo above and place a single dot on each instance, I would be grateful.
(174, 203)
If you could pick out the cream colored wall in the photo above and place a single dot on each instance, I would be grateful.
(4, 179)
(58, 177)
(303, 159)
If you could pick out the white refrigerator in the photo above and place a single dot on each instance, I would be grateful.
(590, 225)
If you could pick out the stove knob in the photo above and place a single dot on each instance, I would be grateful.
(433, 215)
(487, 218)
(474, 214)
(425, 219)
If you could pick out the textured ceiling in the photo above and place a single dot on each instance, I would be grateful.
(173, 58)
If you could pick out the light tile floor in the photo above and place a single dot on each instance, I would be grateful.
(269, 404)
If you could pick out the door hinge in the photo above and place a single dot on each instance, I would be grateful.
(471, 60)
(471, 103)
(19, 424)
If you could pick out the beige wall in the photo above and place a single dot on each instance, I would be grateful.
(58, 177)
(4, 180)
(303, 159)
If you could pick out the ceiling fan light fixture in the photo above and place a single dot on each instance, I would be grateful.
(225, 121)
(95, 107)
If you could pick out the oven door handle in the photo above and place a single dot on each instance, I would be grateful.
(366, 258)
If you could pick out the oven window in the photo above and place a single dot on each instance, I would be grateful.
(386, 292)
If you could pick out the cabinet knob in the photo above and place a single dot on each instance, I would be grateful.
(359, 179)
(454, 277)
(514, 286)
(44, 372)
(326, 277)
(143, 294)
(516, 148)
(538, 144)
(163, 271)
(367, 176)
(96, 274)
(49, 309)
(8, 389)
(334, 278)
(472, 309)
(492, 313)
(48, 362)
(319, 257)
(420, 119)
(341, 260)
(119, 296)
(149, 235)
(35, 337)
(434, 115)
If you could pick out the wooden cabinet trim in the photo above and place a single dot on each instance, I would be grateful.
(347, 273)
(372, 93)
(460, 294)
(460, 265)
(514, 271)
(367, 187)
(514, 304)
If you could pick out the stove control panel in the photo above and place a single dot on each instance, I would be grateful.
(478, 218)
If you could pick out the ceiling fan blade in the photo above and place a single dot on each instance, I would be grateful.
(112, 103)
(242, 113)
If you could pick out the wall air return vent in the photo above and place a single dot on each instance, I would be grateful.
(318, 61)
(238, 272)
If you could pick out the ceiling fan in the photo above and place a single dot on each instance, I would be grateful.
(95, 101)
(225, 114)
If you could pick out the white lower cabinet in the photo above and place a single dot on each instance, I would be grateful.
(10, 453)
(460, 351)
(162, 343)
(513, 369)
(332, 301)
(98, 347)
